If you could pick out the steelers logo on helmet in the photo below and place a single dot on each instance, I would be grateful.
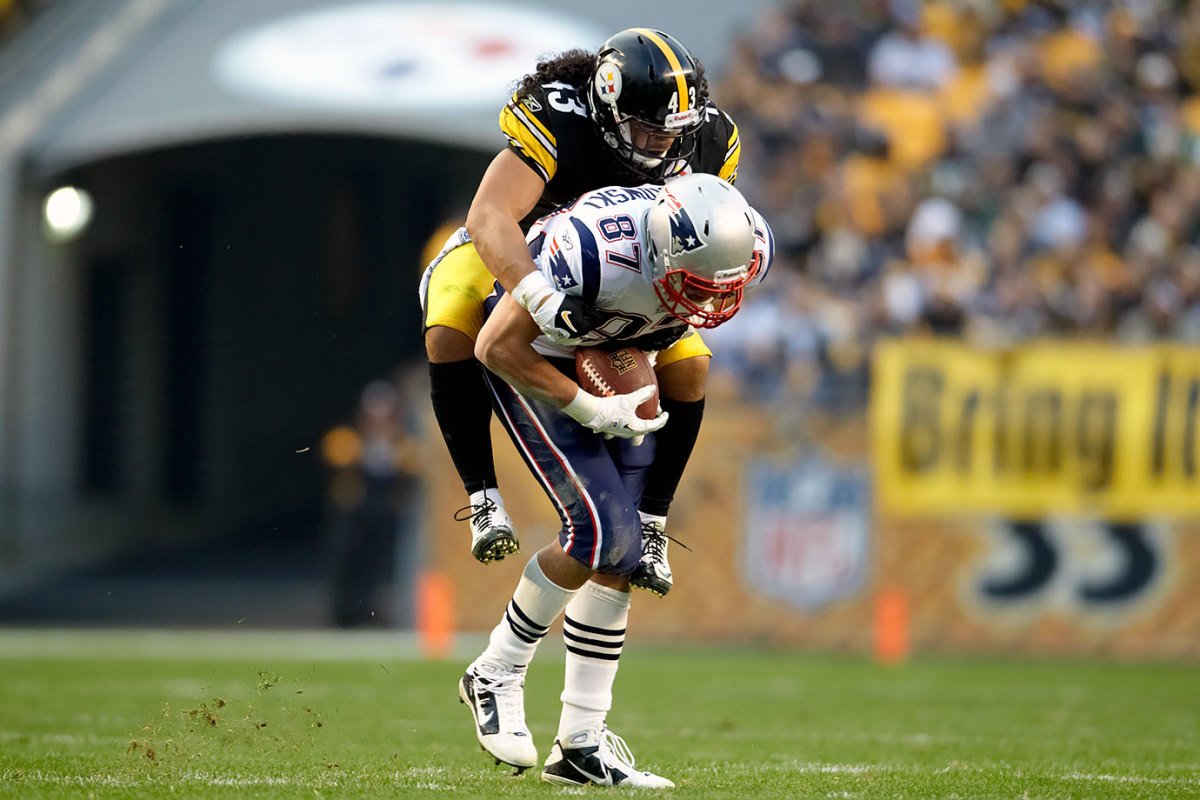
(608, 83)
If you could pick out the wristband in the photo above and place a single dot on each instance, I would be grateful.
(583, 408)
(532, 290)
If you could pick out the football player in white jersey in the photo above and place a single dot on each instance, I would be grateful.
(656, 263)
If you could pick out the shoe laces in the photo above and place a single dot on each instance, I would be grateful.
(654, 541)
(613, 748)
(476, 514)
(506, 688)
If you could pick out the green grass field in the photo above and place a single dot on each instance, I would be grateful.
(258, 715)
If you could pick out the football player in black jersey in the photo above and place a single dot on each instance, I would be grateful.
(637, 110)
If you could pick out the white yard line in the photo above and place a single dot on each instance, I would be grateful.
(55, 738)
(1138, 779)
(204, 779)
(38, 776)
(813, 767)
(825, 768)
(418, 777)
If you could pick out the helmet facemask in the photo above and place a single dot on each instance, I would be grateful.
(650, 148)
(700, 302)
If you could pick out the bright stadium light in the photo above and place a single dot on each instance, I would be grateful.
(66, 211)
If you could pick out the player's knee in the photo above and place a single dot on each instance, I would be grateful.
(684, 380)
(444, 345)
(565, 570)
(624, 538)
(628, 553)
(616, 530)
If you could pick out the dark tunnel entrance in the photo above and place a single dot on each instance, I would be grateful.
(235, 297)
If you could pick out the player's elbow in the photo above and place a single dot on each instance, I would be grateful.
(484, 350)
(474, 223)
(481, 218)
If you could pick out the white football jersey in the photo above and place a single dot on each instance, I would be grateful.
(594, 249)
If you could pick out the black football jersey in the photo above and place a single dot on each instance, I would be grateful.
(551, 132)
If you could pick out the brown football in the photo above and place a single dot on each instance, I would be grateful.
(609, 372)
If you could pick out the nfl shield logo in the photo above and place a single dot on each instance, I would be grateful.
(807, 531)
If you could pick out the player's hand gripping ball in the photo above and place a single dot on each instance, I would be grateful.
(606, 373)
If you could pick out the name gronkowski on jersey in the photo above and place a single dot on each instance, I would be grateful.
(594, 249)
(550, 131)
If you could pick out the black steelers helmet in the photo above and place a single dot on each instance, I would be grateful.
(646, 98)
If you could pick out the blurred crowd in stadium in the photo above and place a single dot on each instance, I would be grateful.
(994, 170)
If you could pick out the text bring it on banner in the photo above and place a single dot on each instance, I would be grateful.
(1045, 428)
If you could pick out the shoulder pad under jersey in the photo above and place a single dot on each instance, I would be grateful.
(532, 124)
(719, 149)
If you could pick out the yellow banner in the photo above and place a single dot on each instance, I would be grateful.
(1047, 428)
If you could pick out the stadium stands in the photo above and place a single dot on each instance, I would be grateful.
(1000, 171)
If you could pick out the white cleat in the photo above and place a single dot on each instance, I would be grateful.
(597, 757)
(653, 572)
(492, 534)
(496, 696)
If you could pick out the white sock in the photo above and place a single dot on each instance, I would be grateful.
(594, 632)
(492, 494)
(648, 518)
(536, 603)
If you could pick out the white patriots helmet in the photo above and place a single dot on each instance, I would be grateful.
(700, 246)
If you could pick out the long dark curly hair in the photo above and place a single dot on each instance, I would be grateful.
(576, 67)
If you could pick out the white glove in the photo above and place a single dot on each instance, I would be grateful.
(563, 318)
(616, 415)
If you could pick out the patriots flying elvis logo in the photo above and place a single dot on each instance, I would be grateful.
(684, 238)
